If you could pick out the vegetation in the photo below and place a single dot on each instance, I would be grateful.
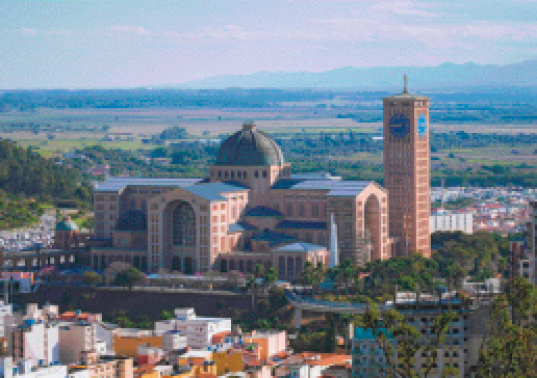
(401, 342)
(18, 212)
(91, 278)
(129, 277)
(510, 345)
(25, 173)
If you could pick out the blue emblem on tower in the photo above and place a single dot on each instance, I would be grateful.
(422, 126)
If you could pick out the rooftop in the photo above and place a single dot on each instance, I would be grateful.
(117, 184)
(334, 188)
(213, 191)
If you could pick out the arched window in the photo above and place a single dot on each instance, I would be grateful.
(264, 174)
(239, 174)
(281, 266)
(225, 174)
(256, 174)
(184, 225)
(232, 174)
(245, 174)
(231, 264)
(241, 266)
(249, 266)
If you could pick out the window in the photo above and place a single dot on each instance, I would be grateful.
(302, 210)
(184, 225)
(264, 174)
(256, 174)
(289, 209)
(315, 210)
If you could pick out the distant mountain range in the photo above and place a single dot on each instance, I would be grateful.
(447, 76)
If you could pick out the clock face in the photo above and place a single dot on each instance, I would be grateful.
(399, 125)
(422, 126)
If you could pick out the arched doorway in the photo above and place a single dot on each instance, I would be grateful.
(223, 265)
(372, 227)
(176, 263)
(189, 266)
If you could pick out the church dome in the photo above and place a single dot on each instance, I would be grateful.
(249, 147)
(133, 220)
(66, 225)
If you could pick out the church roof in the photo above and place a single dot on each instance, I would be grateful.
(299, 247)
(213, 191)
(117, 184)
(262, 211)
(249, 147)
(273, 238)
(302, 225)
(240, 226)
(66, 225)
(334, 188)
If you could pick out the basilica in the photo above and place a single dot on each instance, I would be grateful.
(250, 210)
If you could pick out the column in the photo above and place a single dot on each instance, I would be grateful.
(298, 318)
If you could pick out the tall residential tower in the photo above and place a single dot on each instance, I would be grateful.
(406, 171)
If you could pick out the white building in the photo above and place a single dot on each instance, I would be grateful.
(74, 339)
(198, 330)
(36, 343)
(9, 369)
(174, 340)
(451, 221)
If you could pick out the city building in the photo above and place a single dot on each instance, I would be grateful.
(523, 251)
(406, 170)
(35, 343)
(443, 220)
(199, 331)
(368, 359)
(75, 338)
(127, 340)
(250, 210)
(106, 366)
(6, 311)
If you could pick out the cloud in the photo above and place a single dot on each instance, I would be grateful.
(129, 29)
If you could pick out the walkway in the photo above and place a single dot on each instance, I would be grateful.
(301, 302)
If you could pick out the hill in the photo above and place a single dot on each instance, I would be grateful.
(447, 76)
(24, 173)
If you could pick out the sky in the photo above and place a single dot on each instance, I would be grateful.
(131, 43)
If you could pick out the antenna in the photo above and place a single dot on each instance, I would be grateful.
(406, 84)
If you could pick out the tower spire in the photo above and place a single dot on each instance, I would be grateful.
(406, 84)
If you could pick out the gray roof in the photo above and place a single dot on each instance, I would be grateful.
(240, 226)
(262, 211)
(406, 96)
(116, 184)
(299, 247)
(212, 191)
(249, 147)
(273, 238)
(302, 225)
(334, 188)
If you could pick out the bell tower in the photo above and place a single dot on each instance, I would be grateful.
(406, 170)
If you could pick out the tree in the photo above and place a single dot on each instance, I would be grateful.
(511, 345)
(112, 271)
(402, 342)
(159, 152)
(129, 278)
(269, 278)
(91, 278)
